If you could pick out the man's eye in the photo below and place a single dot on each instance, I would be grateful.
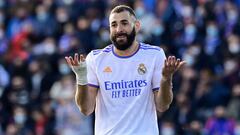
(113, 25)
(124, 23)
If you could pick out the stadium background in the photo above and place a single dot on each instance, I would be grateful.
(37, 87)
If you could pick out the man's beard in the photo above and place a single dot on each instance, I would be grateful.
(123, 45)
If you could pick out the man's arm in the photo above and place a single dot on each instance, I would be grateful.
(164, 96)
(85, 96)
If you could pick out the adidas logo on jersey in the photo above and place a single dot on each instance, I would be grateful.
(107, 70)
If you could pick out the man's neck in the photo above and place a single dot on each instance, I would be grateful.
(131, 50)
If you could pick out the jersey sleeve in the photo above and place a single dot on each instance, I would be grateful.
(91, 71)
(157, 73)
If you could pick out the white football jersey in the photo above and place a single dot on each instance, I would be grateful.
(125, 100)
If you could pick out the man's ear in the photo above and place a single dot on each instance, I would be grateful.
(137, 25)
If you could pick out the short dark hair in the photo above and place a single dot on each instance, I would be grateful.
(122, 8)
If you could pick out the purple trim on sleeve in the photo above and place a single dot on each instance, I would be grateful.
(155, 89)
(93, 85)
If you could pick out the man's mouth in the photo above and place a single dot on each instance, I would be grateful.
(121, 37)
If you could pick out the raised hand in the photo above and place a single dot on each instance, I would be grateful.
(78, 66)
(171, 65)
(75, 61)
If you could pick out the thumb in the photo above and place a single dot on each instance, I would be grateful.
(181, 64)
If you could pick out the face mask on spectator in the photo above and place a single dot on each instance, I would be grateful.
(105, 35)
(230, 66)
(190, 29)
(42, 16)
(189, 59)
(187, 11)
(234, 48)
(232, 16)
(167, 131)
(140, 11)
(62, 16)
(68, 2)
(212, 31)
(49, 48)
(195, 50)
(158, 30)
(64, 69)
(19, 118)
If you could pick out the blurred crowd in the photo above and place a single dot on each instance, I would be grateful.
(37, 87)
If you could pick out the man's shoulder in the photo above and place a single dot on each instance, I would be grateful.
(104, 50)
(98, 54)
(151, 48)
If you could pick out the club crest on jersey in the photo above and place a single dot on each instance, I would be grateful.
(142, 69)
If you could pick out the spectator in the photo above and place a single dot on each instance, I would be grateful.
(219, 123)
(234, 104)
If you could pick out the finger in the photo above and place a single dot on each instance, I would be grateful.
(173, 60)
(75, 56)
(76, 59)
(177, 62)
(182, 63)
(72, 61)
(68, 61)
(166, 62)
(169, 59)
(82, 59)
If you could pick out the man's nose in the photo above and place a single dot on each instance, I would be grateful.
(119, 28)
